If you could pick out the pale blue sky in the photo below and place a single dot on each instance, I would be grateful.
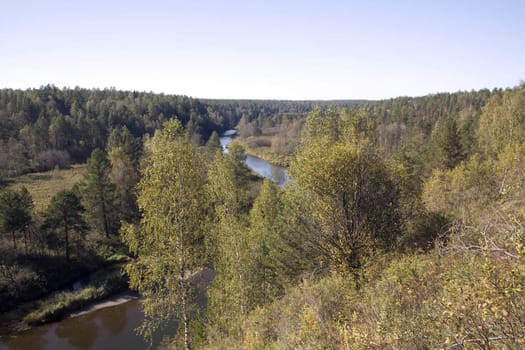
(264, 49)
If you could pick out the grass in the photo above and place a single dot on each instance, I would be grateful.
(43, 186)
(61, 304)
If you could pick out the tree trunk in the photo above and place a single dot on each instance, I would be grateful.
(106, 223)
(14, 239)
(185, 319)
(184, 292)
(66, 232)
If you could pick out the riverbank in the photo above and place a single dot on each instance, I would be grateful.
(261, 147)
(105, 285)
(260, 167)
(110, 301)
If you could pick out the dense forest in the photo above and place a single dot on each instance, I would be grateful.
(401, 226)
(48, 127)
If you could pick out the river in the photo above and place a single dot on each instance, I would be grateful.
(113, 327)
(273, 172)
(108, 328)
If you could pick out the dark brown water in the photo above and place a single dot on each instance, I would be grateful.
(108, 328)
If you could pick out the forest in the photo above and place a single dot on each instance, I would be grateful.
(401, 226)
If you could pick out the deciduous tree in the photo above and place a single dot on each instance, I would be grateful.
(356, 200)
(168, 242)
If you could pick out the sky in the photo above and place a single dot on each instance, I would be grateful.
(267, 49)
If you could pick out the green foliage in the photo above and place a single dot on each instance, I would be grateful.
(448, 147)
(461, 191)
(130, 145)
(322, 124)
(386, 237)
(15, 211)
(124, 176)
(501, 123)
(267, 245)
(64, 216)
(98, 194)
(61, 304)
(356, 200)
(168, 242)
(228, 294)
(213, 144)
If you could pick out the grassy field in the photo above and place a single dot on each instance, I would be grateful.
(43, 186)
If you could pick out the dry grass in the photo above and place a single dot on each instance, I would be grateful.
(43, 186)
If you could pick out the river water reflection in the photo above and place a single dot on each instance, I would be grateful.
(108, 328)
(273, 172)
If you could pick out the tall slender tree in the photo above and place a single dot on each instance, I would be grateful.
(15, 211)
(64, 216)
(98, 194)
(228, 293)
(168, 242)
(448, 142)
(266, 244)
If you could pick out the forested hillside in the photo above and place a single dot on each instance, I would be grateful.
(47, 127)
(401, 226)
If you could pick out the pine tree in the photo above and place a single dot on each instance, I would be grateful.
(64, 215)
(448, 142)
(98, 194)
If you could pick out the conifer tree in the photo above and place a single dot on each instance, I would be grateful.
(64, 216)
(98, 194)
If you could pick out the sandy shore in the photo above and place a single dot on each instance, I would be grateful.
(113, 300)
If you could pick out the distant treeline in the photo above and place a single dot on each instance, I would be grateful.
(403, 125)
(48, 127)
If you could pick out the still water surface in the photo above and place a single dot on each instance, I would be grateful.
(273, 172)
(109, 328)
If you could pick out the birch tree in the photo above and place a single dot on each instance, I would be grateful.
(228, 294)
(167, 243)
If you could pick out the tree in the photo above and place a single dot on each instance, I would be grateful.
(228, 294)
(355, 200)
(124, 176)
(98, 194)
(168, 242)
(15, 211)
(448, 144)
(213, 144)
(130, 145)
(502, 122)
(322, 124)
(64, 216)
(267, 246)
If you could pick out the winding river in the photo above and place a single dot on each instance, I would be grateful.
(113, 327)
(273, 172)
